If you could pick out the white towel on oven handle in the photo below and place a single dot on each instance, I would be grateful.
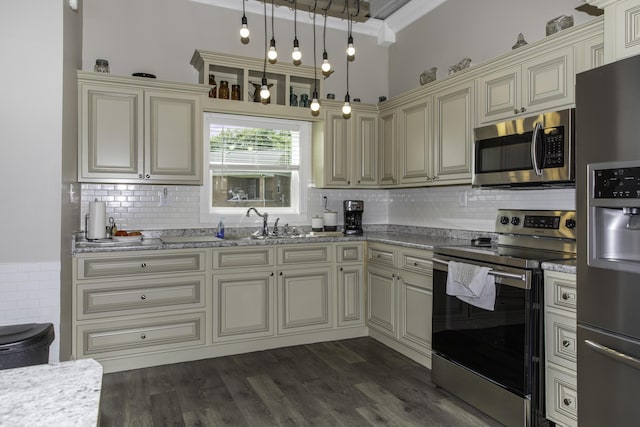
(472, 284)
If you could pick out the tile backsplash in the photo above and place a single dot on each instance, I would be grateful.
(136, 206)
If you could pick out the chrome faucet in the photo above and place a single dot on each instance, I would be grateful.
(265, 218)
(276, 230)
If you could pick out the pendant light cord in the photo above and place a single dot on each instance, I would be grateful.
(273, 32)
(264, 68)
(315, 68)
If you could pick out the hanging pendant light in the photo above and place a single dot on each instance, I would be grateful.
(273, 53)
(351, 50)
(244, 28)
(264, 88)
(346, 108)
(326, 66)
(296, 55)
(315, 104)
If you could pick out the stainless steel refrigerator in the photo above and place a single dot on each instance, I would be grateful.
(608, 212)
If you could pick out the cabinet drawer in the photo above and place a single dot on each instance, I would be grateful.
(561, 340)
(349, 252)
(141, 296)
(381, 255)
(562, 398)
(416, 260)
(132, 336)
(243, 257)
(560, 289)
(294, 254)
(140, 263)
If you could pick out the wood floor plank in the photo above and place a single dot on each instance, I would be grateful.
(165, 409)
(278, 404)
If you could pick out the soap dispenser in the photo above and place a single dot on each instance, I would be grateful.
(220, 232)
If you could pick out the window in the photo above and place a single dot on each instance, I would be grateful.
(257, 162)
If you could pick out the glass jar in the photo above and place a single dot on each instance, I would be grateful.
(102, 66)
(214, 86)
(223, 92)
(235, 92)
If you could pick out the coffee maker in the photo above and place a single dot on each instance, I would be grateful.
(353, 217)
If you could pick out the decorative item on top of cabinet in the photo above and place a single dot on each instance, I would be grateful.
(463, 64)
(139, 131)
(428, 76)
(519, 42)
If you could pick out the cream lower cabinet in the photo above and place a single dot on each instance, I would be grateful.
(350, 284)
(399, 298)
(561, 348)
(134, 130)
(542, 83)
(128, 305)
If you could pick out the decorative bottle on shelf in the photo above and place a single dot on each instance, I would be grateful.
(223, 92)
(213, 92)
(235, 92)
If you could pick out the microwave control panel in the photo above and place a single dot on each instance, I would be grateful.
(553, 143)
(617, 183)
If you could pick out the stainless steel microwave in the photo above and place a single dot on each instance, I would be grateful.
(526, 152)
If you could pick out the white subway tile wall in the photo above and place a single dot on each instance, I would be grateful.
(456, 207)
(30, 293)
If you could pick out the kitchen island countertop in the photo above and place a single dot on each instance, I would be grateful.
(63, 394)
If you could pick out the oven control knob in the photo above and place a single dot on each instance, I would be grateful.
(504, 220)
(570, 223)
(515, 220)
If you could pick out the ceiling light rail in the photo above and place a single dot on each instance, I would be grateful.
(336, 9)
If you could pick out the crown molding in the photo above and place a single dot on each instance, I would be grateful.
(409, 13)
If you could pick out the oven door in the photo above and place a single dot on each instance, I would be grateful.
(499, 345)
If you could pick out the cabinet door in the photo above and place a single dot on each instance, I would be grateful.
(365, 158)
(416, 299)
(350, 295)
(173, 141)
(415, 140)
(624, 36)
(590, 53)
(243, 305)
(388, 148)
(454, 134)
(304, 300)
(336, 146)
(549, 81)
(381, 301)
(499, 94)
(111, 134)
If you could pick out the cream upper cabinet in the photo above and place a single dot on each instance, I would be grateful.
(415, 139)
(453, 133)
(590, 53)
(621, 28)
(545, 82)
(346, 150)
(387, 148)
(135, 131)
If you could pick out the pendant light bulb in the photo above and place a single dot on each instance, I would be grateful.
(346, 108)
(326, 66)
(315, 104)
(296, 55)
(244, 30)
(351, 51)
(273, 53)
(264, 90)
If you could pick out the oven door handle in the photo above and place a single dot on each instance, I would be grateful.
(522, 277)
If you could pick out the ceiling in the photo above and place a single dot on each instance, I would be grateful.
(382, 9)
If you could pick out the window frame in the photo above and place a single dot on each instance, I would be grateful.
(297, 213)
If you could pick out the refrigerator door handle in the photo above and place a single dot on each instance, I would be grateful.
(614, 354)
(534, 148)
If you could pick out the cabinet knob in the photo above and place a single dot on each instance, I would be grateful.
(341, 269)
(566, 343)
(143, 336)
(281, 273)
(140, 175)
(143, 265)
(522, 110)
(415, 264)
(566, 401)
(515, 111)
(358, 181)
(143, 297)
(393, 275)
(147, 176)
(565, 296)
(272, 274)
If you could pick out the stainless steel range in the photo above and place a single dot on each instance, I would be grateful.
(489, 349)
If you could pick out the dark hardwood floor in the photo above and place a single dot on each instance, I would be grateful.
(356, 382)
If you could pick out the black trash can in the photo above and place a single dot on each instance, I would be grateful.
(25, 345)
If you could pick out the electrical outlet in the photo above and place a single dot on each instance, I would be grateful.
(164, 197)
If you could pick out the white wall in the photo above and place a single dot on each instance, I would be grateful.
(160, 36)
(480, 30)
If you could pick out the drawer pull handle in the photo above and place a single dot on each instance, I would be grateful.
(143, 297)
(566, 401)
(143, 336)
(566, 343)
(143, 265)
(566, 296)
(415, 264)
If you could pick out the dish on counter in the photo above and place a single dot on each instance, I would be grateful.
(127, 239)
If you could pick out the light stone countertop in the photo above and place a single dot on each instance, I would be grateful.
(568, 266)
(64, 394)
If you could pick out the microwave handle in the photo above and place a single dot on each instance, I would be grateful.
(534, 148)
